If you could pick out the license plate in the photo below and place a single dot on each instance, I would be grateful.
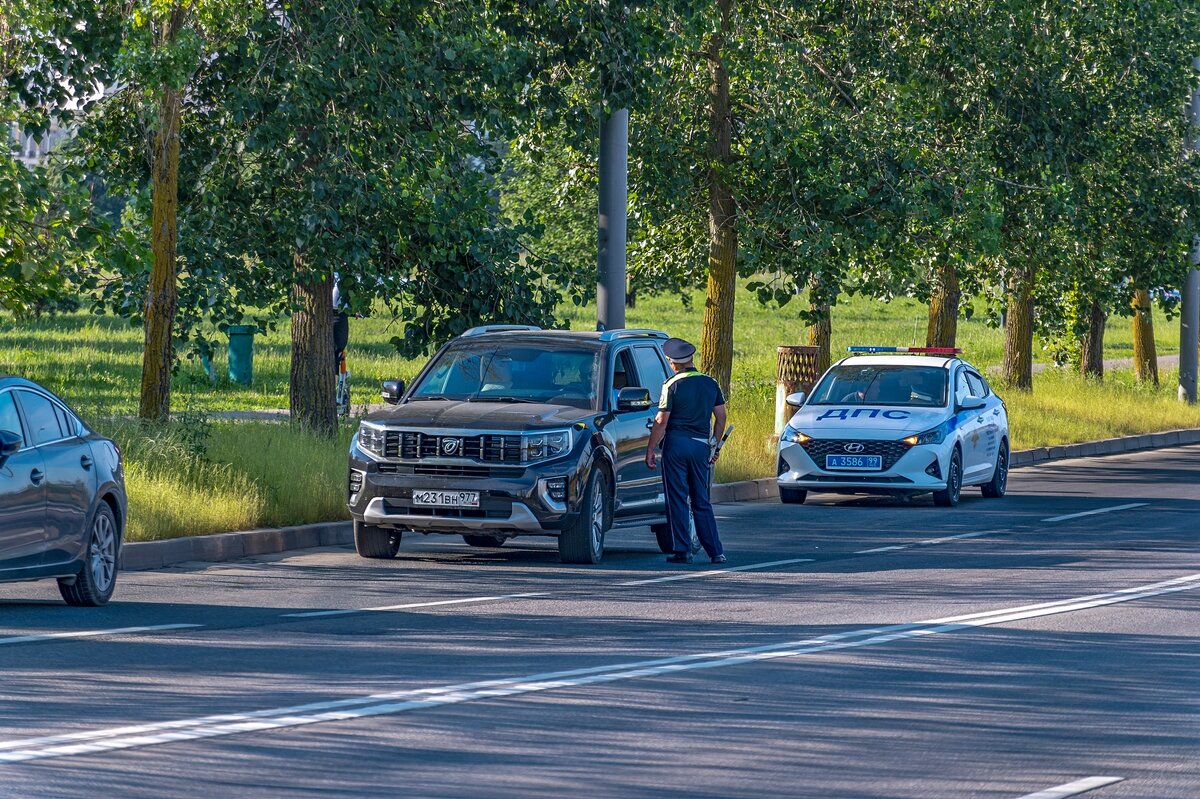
(446, 499)
(864, 463)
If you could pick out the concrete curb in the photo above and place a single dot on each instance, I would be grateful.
(144, 555)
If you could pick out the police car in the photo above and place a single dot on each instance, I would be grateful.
(896, 420)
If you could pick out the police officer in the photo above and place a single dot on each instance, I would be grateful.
(684, 424)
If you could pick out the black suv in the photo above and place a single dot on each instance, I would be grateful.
(513, 430)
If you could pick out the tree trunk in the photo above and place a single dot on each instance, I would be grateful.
(1091, 349)
(716, 340)
(162, 294)
(1018, 331)
(1145, 353)
(820, 333)
(312, 380)
(943, 309)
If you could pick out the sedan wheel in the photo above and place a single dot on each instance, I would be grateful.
(94, 584)
(949, 497)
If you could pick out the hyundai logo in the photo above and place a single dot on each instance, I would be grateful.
(854, 447)
(450, 445)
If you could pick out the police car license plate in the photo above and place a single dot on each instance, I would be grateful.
(862, 463)
(446, 499)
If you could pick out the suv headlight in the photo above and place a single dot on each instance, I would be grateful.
(540, 446)
(370, 439)
(935, 436)
(795, 436)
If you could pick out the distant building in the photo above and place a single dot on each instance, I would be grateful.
(32, 150)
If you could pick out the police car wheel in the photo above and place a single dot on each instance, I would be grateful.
(483, 541)
(793, 496)
(662, 534)
(375, 542)
(949, 497)
(996, 487)
(583, 540)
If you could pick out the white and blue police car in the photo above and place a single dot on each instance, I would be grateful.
(882, 421)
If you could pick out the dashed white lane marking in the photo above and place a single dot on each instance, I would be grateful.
(463, 601)
(944, 539)
(880, 549)
(716, 572)
(28, 639)
(137, 736)
(1080, 515)
(1074, 788)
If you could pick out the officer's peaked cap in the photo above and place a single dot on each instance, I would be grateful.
(678, 350)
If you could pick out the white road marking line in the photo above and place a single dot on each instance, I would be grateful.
(1094, 512)
(464, 601)
(880, 549)
(27, 639)
(944, 539)
(1074, 788)
(137, 736)
(715, 572)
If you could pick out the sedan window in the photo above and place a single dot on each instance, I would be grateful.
(9, 420)
(42, 418)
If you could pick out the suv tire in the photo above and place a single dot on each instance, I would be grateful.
(483, 541)
(949, 497)
(793, 496)
(583, 540)
(375, 542)
(662, 534)
(94, 584)
(995, 488)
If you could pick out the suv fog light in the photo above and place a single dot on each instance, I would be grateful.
(556, 489)
(356, 482)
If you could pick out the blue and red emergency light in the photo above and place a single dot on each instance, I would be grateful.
(911, 350)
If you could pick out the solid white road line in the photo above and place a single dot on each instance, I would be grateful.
(464, 601)
(881, 549)
(716, 572)
(137, 736)
(944, 539)
(27, 639)
(1074, 788)
(1094, 512)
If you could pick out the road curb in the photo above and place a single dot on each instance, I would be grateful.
(146, 555)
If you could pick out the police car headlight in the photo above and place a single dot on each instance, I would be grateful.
(370, 439)
(935, 436)
(551, 444)
(795, 436)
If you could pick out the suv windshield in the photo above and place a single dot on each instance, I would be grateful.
(921, 386)
(483, 372)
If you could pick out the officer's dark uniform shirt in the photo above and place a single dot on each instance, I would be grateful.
(690, 397)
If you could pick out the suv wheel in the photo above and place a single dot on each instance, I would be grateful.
(94, 584)
(483, 541)
(996, 487)
(375, 542)
(662, 534)
(949, 497)
(583, 540)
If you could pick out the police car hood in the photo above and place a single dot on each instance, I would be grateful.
(866, 421)
(482, 416)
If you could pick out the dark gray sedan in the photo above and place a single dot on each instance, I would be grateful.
(62, 496)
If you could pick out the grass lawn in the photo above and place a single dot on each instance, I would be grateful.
(266, 474)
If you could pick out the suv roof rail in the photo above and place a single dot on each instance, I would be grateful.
(481, 329)
(613, 335)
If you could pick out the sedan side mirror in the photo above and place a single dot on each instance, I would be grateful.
(972, 403)
(393, 390)
(633, 398)
(10, 444)
(796, 399)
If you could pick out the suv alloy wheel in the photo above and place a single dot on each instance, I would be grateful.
(583, 540)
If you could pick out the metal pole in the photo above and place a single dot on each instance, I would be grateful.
(614, 200)
(1189, 318)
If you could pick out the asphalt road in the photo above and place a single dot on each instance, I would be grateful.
(851, 647)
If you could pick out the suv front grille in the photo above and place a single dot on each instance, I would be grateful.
(489, 447)
(818, 448)
(451, 470)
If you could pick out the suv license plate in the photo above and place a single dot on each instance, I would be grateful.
(446, 499)
(864, 463)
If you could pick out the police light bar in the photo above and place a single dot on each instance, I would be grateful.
(913, 350)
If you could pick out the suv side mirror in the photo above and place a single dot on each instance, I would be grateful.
(796, 400)
(10, 442)
(393, 390)
(633, 398)
(972, 403)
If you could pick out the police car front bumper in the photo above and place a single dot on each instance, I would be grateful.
(911, 470)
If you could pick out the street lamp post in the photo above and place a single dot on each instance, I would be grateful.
(1189, 318)
(614, 199)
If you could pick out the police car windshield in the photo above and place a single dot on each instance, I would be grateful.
(491, 372)
(914, 386)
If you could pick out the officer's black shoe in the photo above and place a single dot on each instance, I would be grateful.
(680, 557)
(718, 559)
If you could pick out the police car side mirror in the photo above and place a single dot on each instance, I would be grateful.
(972, 403)
(10, 444)
(797, 399)
(393, 390)
(633, 398)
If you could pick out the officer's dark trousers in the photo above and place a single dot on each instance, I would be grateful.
(685, 471)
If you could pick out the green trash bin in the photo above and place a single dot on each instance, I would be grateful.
(241, 353)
